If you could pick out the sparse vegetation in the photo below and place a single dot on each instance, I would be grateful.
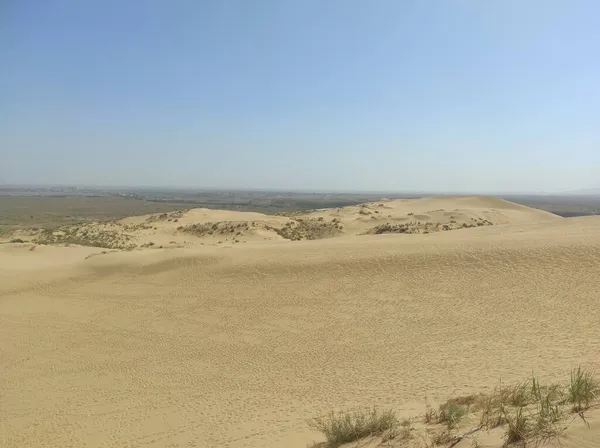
(227, 228)
(547, 399)
(442, 438)
(423, 227)
(345, 427)
(308, 229)
(85, 236)
(491, 413)
(529, 412)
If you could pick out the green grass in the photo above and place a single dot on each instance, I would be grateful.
(345, 427)
(451, 413)
(547, 399)
(583, 388)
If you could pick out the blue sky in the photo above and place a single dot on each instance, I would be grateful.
(436, 96)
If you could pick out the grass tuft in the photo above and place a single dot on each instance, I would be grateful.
(345, 427)
(517, 425)
(516, 395)
(451, 413)
(547, 399)
(582, 389)
(491, 413)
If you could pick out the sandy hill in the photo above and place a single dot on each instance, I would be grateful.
(206, 347)
(191, 227)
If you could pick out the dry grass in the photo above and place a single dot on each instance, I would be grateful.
(491, 415)
(530, 412)
(518, 425)
(442, 438)
(516, 395)
(431, 416)
(345, 427)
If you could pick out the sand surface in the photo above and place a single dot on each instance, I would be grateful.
(214, 345)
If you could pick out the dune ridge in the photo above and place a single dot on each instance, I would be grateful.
(192, 227)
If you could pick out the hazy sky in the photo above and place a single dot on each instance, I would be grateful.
(448, 95)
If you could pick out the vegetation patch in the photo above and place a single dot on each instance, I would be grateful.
(226, 228)
(85, 236)
(425, 227)
(583, 388)
(345, 427)
(308, 229)
(171, 216)
(529, 412)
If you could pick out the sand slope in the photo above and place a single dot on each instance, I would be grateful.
(209, 346)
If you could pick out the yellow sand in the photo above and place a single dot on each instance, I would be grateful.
(214, 345)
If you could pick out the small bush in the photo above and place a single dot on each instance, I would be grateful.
(345, 427)
(17, 240)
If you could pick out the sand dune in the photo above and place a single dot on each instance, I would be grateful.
(194, 227)
(213, 346)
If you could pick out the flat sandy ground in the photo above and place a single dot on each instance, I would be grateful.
(212, 346)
